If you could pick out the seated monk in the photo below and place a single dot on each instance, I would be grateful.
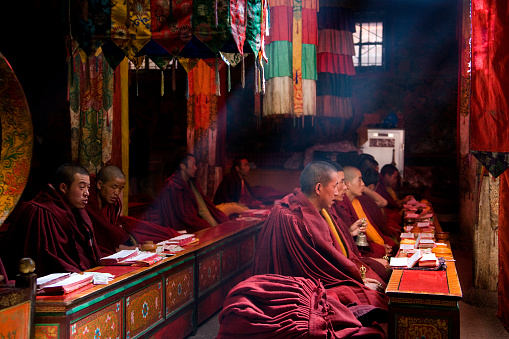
(346, 235)
(389, 177)
(296, 240)
(350, 210)
(234, 187)
(112, 230)
(276, 306)
(181, 205)
(54, 229)
(388, 227)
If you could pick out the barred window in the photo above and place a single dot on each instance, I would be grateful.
(368, 43)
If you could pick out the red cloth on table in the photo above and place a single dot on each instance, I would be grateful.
(424, 281)
(270, 306)
(295, 240)
(375, 213)
(346, 212)
(58, 238)
(176, 206)
(112, 228)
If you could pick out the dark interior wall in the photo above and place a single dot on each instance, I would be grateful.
(420, 78)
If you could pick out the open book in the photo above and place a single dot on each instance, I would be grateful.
(131, 257)
(406, 262)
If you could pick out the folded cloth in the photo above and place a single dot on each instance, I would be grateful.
(275, 306)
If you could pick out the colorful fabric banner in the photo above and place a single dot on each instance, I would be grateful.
(91, 106)
(334, 60)
(171, 23)
(202, 111)
(291, 50)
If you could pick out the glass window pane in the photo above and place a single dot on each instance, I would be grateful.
(356, 34)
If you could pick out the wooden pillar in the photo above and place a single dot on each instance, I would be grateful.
(486, 236)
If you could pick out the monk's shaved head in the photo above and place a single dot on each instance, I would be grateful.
(316, 172)
(110, 172)
(350, 173)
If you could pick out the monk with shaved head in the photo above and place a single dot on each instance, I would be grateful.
(113, 230)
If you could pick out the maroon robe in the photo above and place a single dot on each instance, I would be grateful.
(346, 212)
(392, 209)
(375, 213)
(230, 190)
(177, 207)
(275, 306)
(354, 254)
(295, 240)
(113, 229)
(58, 238)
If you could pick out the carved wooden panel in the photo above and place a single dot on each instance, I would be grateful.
(144, 309)
(15, 321)
(247, 251)
(229, 261)
(179, 289)
(208, 272)
(410, 327)
(105, 323)
(47, 331)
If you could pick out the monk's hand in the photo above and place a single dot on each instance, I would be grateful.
(355, 228)
(383, 262)
(373, 284)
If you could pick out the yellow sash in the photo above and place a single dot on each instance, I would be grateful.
(334, 231)
(371, 232)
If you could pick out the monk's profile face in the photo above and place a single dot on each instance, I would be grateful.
(392, 180)
(356, 185)
(329, 191)
(76, 195)
(110, 191)
(189, 168)
(243, 170)
(341, 186)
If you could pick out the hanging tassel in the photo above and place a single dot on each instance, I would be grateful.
(256, 77)
(173, 74)
(187, 86)
(215, 10)
(296, 77)
(294, 121)
(229, 79)
(312, 121)
(243, 73)
(263, 79)
(136, 82)
(162, 83)
(218, 82)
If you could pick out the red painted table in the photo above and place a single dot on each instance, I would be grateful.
(166, 300)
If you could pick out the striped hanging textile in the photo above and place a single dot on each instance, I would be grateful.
(202, 110)
(130, 25)
(334, 59)
(91, 109)
(89, 23)
(291, 50)
(171, 23)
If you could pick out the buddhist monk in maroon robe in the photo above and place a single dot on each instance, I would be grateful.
(54, 229)
(389, 177)
(296, 240)
(355, 188)
(234, 187)
(112, 229)
(276, 306)
(181, 205)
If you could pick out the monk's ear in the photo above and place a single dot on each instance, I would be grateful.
(318, 188)
(182, 166)
(371, 187)
(237, 168)
(99, 184)
(62, 187)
